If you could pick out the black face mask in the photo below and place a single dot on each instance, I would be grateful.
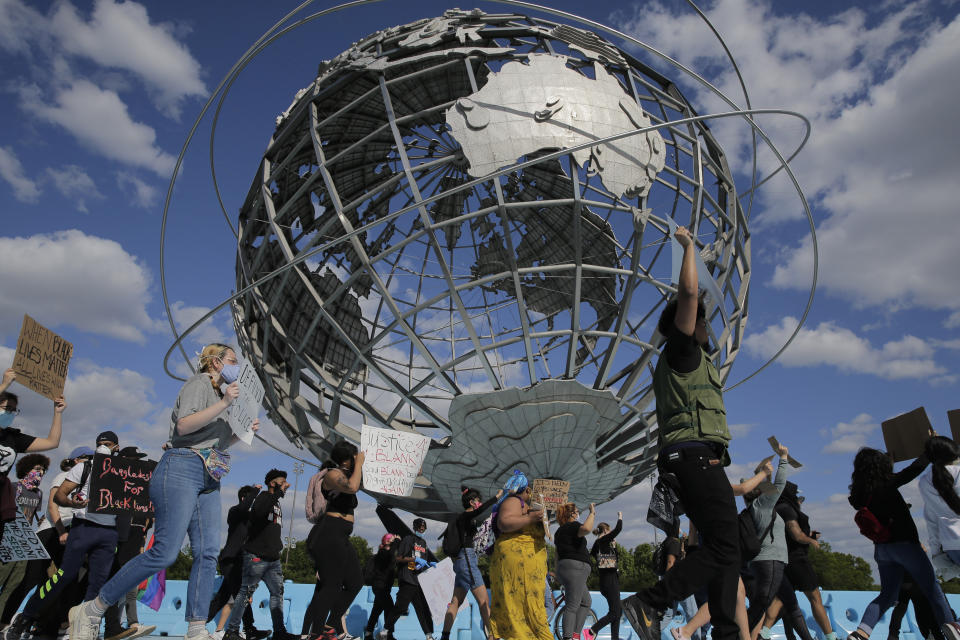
(278, 490)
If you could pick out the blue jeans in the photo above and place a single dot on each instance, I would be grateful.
(466, 570)
(254, 570)
(186, 501)
(892, 558)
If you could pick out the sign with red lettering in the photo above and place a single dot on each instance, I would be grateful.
(393, 459)
(41, 359)
(120, 485)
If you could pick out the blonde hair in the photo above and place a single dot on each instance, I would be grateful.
(211, 352)
(565, 512)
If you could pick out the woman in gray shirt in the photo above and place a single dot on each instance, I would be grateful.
(185, 491)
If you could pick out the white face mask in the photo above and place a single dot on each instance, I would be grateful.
(104, 449)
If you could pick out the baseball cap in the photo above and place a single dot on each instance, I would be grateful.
(109, 436)
(131, 452)
(80, 451)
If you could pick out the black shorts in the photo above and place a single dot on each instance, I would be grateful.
(801, 574)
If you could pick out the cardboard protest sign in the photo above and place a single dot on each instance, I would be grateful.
(246, 408)
(954, 418)
(906, 434)
(393, 459)
(760, 465)
(20, 542)
(554, 492)
(775, 445)
(120, 485)
(437, 584)
(41, 359)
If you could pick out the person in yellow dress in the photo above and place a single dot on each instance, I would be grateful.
(518, 567)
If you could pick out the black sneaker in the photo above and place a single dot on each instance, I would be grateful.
(644, 619)
(283, 635)
(231, 635)
(255, 634)
(18, 626)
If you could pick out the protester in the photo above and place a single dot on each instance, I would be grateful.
(941, 504)
(411, 558)
(461, 532)
(882, 511)
(52, 534)
(799, 573)
(12, 442)
(339, 576)
(768, 565)
(93, 537)
(604, 552)
(261, 556)
(30, 470)
(573, 567)
(693, 439)
(518, 567)
(381, 582)
(185, 491)
(922, 613)
(231, 566)
(132, 536)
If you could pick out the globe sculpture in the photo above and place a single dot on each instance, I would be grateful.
(452, 239)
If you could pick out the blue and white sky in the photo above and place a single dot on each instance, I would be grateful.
(97, 99)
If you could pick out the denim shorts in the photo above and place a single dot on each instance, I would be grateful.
(466, 570)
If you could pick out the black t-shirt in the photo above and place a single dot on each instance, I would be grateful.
(384, 568)
(265, 527)
(237, 527)
(469, 521)
(683, 352)
(673, 547)
(571, 546)
(413, 546)
(888, 505)
(788, 513)
(604, 544)
(12, 442)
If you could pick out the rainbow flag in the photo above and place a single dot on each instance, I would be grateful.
(151, 591)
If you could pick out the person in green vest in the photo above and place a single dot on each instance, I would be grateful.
(693, 436)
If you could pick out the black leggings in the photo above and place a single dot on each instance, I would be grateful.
(406, 594)
(790, 611)
(339, 575)
(382, 603)
(610, 588)
(767, 575)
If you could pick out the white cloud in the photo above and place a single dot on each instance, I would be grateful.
(19, 24)
(859, 75)
(849, 437)
(120, 35)
(68, 278)
(828, 344)
(99, 119)
(74, 183)
(953, 321)
(144, 195)
(24, 189)
(184, 316)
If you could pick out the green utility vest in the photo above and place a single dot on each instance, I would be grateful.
(690, 405)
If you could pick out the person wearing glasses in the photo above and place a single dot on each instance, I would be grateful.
(185, 491)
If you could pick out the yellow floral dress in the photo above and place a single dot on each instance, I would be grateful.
(518, 575)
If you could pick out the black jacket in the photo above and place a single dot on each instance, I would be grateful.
(264, 533)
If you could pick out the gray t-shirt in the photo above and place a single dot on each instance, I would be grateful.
(196, 395)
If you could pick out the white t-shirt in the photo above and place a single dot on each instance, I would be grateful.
(74, 475)
(66, 513)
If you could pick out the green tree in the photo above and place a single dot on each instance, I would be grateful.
(842, 571)
(180, 569)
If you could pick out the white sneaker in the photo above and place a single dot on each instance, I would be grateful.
(83, 626)
(429, 637)
(218, 635)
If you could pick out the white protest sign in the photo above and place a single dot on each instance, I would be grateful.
(245, 409)
(393, 459)
(20, 542)
(437, 585)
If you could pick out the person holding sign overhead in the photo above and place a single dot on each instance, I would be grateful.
(185, 491)
(331, 501)
(693, 441)
(518, 567)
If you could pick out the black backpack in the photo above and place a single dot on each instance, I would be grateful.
(451, 539)
(750, 542)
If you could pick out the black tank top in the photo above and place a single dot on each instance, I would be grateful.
(342, 503)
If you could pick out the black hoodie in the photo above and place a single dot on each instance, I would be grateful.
(264, 533)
